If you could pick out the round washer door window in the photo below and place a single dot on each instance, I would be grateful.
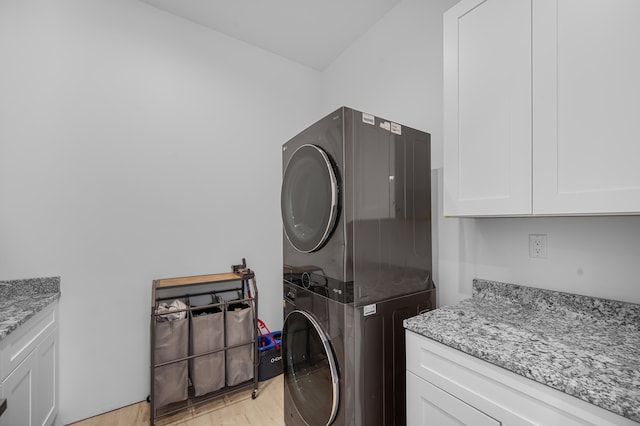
(310, 371)
(309, 199)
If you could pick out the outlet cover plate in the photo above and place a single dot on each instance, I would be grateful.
(538, 246)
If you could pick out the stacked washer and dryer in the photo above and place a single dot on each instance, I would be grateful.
(356, 212)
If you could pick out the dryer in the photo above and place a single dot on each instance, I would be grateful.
(356, 206)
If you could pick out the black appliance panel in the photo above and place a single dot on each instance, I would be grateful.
(391, 224)
(308, 279)
(380, 354)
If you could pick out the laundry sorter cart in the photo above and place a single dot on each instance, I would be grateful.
(204, 341)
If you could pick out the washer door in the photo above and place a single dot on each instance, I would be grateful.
(309, 199)
(310, 371)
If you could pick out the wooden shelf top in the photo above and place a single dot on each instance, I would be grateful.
(198, 279)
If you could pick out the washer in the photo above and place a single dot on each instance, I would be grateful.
(344, 365)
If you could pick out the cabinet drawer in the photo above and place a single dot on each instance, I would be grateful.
(430, 405)
(15, 348)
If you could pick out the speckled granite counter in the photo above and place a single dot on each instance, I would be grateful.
(22, 299)
(586, 347)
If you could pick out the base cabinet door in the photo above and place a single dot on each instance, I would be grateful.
(429, 405)
(19, 391)
(46, 406)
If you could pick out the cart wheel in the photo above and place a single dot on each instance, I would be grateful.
(149, 398)
(254, 394)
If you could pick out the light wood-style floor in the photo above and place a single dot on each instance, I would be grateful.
(230, 410)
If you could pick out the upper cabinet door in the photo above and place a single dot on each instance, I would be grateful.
(586, 106)
(487, 83)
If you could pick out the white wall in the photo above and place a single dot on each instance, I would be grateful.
(395, 71)
(135, 145)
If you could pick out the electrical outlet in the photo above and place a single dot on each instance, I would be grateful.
(538, 246)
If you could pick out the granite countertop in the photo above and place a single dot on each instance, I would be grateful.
(586, 347)
(22, 299)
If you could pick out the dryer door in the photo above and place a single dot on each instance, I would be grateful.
(310, 371)
(309, 199)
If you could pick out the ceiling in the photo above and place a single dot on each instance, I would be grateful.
(312, 33)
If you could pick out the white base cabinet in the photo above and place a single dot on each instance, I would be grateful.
(29, 371)
(448, 387)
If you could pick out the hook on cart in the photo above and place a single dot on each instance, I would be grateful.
(241, 269)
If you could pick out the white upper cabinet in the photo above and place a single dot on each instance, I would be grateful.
(487, 83)
(586, 106)
(542, 107)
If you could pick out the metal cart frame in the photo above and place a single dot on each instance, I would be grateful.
(240, 281)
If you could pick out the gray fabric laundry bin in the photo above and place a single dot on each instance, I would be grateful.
(207, 372)
(240, 327)
(171, 342)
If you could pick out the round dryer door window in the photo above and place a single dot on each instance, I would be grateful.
(310, 370)
(309, 199)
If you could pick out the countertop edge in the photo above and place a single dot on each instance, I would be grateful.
(21, 300)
